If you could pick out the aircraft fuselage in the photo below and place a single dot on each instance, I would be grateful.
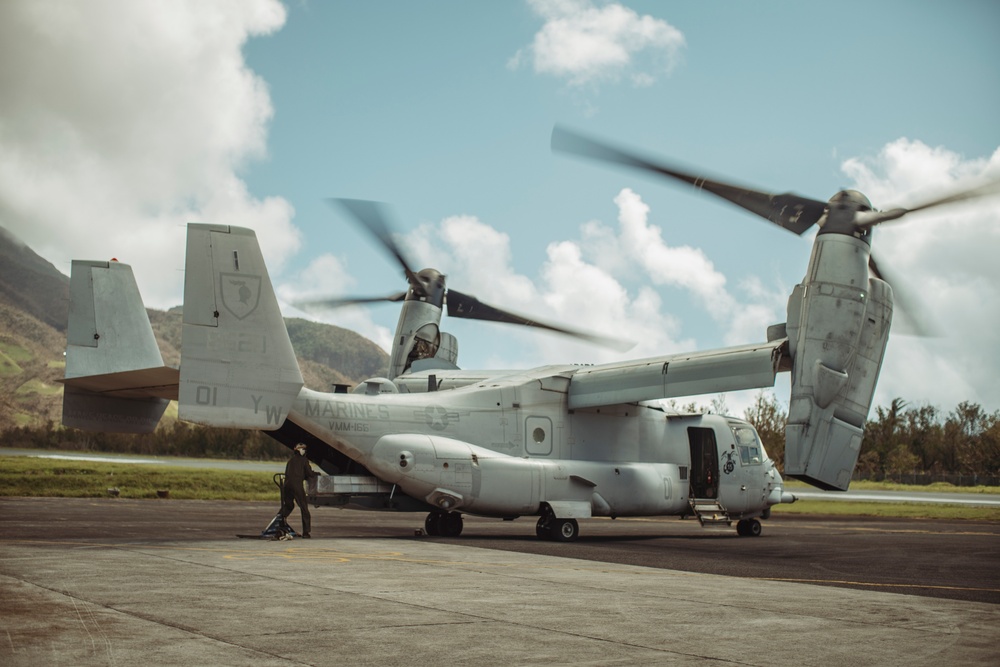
(509, 446)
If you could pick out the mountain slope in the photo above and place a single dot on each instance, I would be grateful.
(34, 303)
(32, 284)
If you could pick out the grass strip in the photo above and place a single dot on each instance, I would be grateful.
(35, 477)
(936, 487)
(39, 477)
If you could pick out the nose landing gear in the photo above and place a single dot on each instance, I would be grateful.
(443, 524)
(748, 528)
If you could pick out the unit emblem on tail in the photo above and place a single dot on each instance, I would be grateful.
(240, 293)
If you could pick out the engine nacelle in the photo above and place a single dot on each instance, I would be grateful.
(838, 326)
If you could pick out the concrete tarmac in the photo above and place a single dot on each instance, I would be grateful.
(165, 582)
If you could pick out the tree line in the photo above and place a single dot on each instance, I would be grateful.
(901, 439)
(898, 439)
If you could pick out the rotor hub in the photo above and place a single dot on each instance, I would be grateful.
(841, 215)
(430, 288)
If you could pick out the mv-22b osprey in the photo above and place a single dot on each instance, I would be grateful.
(560, 443)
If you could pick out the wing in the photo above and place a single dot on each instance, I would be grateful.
(671, 376)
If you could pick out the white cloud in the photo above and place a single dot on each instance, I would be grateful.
(587, 44)
(120, 122)
(610, 281)
(745, 319)
(327, 277)
(619, 280)
(946, 259)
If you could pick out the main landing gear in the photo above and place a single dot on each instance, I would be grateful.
(560, 530)
(443, 524)
(748, 528)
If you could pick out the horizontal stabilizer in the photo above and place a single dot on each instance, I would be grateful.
(141, 383)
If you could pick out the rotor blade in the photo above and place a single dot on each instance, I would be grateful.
(788, 210)
(469, 307)
(372, 216)
(351, 301)
(915, 318)
(872, 218)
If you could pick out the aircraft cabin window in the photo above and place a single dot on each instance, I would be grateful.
(748, 443)
(749, 455)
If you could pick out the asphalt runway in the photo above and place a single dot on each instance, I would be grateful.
(946, 559)
(116, 581)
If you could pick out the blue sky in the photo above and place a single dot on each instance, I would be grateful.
(122, 121)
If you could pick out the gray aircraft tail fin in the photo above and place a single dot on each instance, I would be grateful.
(238, 367)
(115, 377)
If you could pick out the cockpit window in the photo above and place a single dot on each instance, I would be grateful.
(748, 444)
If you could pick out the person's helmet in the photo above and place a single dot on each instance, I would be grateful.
(300, 448)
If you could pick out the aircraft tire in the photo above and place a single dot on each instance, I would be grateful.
(565, 530)
(543, 529)
(432, 524)
(748, 528)
(451, 524)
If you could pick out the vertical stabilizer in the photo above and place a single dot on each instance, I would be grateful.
(109, 329)
(238, 367)
(115, 377)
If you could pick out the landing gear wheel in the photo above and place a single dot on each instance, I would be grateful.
(543, 529)
(451, 524)
(565, 530)
(748, 528)
(432, 524)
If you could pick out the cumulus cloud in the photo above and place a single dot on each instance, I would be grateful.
(588, 44)
(120, 122)
(612, 280)
(327, 277)
(944, 258)
(621, 277)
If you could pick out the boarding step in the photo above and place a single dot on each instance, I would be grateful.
(709, 511)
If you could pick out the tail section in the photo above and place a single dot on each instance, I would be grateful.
(238, 367)
(115, 377)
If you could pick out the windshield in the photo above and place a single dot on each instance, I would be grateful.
(748, 444)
